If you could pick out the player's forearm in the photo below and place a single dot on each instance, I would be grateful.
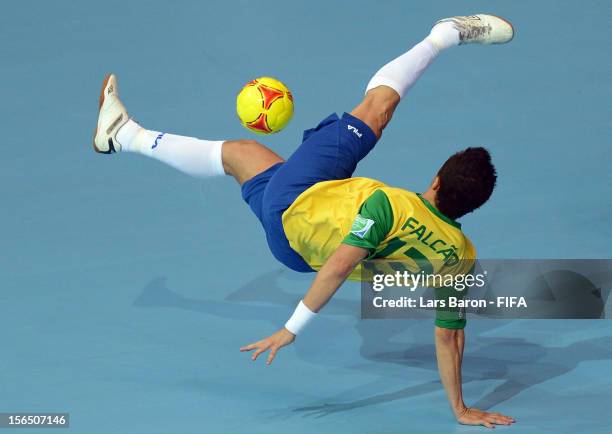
(329, 278)
(449, 352)
(327, 281)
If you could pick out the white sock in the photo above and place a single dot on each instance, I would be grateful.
(200, 158)
(401, 73)
(444, 35)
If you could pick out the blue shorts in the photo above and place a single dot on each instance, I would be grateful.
(328, 152)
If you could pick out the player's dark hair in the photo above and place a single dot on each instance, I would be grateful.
(467, 180)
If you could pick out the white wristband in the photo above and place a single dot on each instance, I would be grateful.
(300, 318)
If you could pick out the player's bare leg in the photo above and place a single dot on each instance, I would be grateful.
(392, 81)
(243, 159)
(377, 108)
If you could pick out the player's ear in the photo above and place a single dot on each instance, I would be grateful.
(435, 184)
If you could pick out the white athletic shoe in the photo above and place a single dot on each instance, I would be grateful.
(482, 29)
(111, 117)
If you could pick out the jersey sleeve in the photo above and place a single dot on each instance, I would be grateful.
(372, 224)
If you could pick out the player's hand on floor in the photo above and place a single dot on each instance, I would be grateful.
(473, 416)
(273, 343)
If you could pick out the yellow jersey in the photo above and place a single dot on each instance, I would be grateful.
(389, 222)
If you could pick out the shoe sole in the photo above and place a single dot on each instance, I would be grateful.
(100, 102)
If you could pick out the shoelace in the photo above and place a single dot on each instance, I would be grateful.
(469, 30)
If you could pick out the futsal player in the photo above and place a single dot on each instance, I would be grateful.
(316, 217)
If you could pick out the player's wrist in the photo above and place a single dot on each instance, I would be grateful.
(302, 316)
(460, 410)
(286, 331)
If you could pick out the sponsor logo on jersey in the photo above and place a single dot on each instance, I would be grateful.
(361, 226)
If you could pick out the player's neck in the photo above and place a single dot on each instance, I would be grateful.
(430, 196)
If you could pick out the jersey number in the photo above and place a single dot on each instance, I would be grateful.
(413, 253)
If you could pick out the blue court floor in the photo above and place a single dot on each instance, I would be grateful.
(127, 288)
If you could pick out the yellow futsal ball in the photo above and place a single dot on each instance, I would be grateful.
(264, 105)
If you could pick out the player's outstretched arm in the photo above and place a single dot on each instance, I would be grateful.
(327, 281)
(449, 352)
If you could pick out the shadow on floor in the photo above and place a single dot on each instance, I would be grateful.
(515, 361)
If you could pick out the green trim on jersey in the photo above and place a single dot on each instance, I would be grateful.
(437, 212)
(372, 224)
(370, 228)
